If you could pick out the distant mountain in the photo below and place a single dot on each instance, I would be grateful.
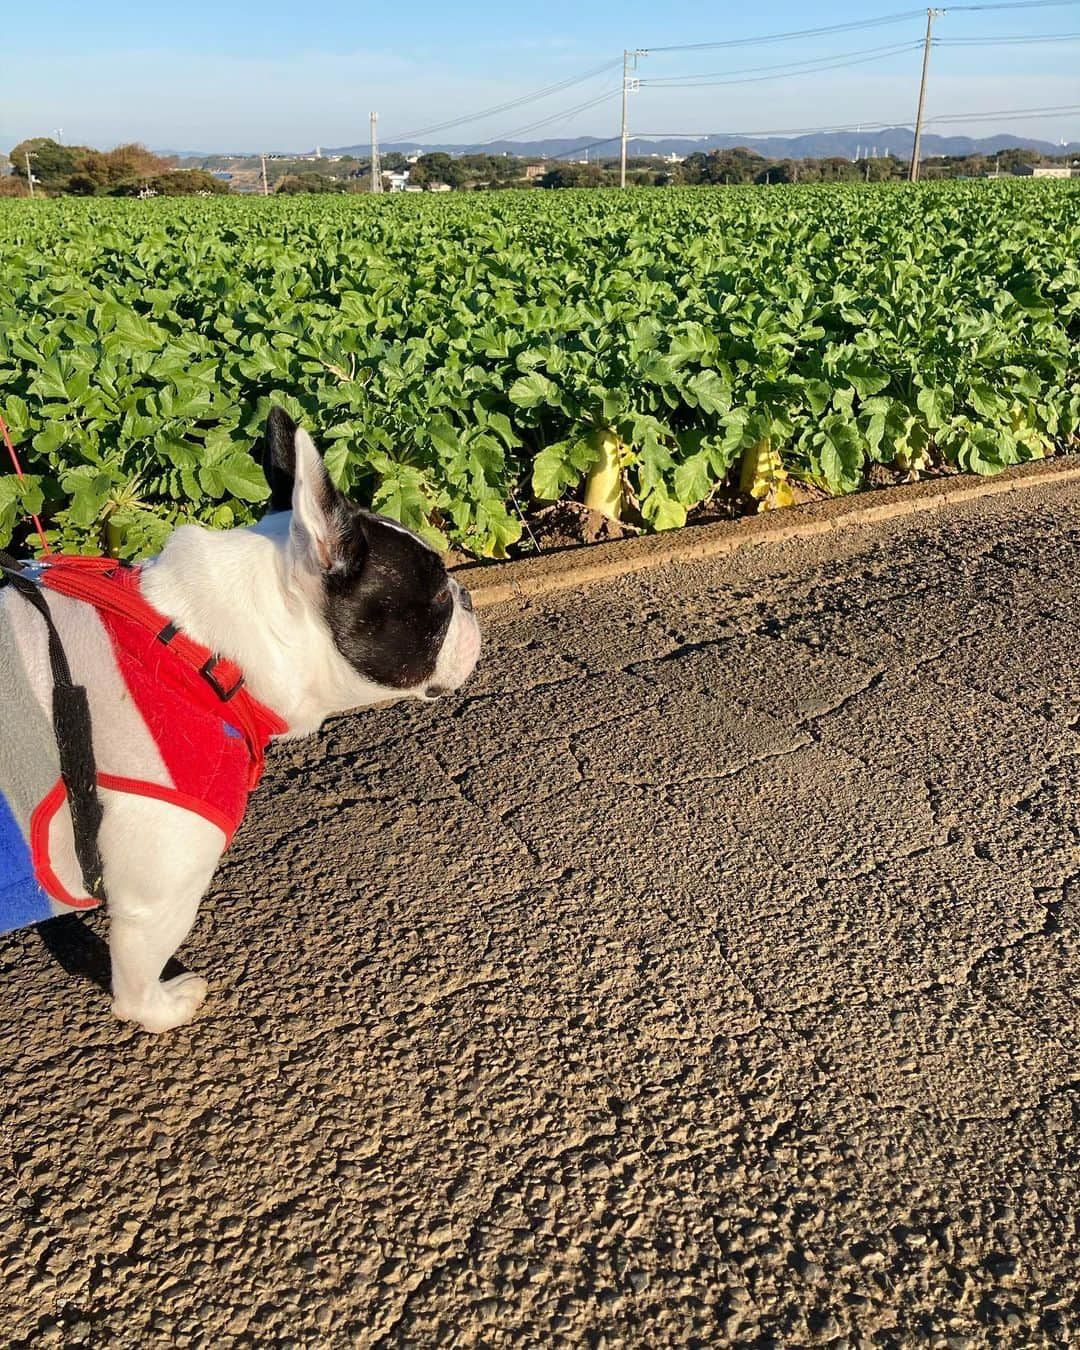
(820, 145)
(891, 140)
(211, 154)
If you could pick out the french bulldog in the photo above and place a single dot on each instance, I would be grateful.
(322, 608)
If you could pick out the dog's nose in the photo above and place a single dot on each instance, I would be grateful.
(466, 599)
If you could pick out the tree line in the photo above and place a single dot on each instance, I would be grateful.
(133, 170)
(742, 165)
(82, 171)
(738, 165)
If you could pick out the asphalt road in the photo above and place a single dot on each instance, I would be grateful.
(705, 974)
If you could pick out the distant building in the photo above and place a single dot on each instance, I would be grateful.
(1048, 170)
(438, 187)
(399, 181)
(535, 171)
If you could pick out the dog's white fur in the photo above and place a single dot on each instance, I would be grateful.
(251, 595)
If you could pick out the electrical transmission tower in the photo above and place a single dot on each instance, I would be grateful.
(376, 171)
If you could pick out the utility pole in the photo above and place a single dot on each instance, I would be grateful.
(29, 174)
(376, 171)
(630, 85)
(266, 185)
(931, 15)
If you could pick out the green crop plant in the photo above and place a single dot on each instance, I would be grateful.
(466, 358)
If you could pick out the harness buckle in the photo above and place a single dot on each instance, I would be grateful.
(206, 670)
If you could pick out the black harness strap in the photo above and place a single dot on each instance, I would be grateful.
(74, 738)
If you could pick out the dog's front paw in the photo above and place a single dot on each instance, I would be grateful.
(170, 1004)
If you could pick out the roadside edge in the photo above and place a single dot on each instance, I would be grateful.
(525, 578)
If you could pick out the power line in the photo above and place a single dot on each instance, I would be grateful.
(799, 68)
(1006, 112)
(592, 145)
(1016, 4)
(1010, 41)
(559, 116)
(783, 66)
(901, 17)
(864, 125)
(510, 104)
(749, 75)
(826, 63)
(713, 79)
(774, 131)
(607, 140)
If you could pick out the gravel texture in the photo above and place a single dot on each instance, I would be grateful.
(706, 973)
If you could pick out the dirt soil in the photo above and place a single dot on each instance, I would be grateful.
(707, 973)
(569, 524)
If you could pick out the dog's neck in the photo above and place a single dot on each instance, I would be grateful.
(242, 594)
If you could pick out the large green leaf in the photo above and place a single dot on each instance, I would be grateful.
(241, 476)
(841, 454)
(553, 471)
(532, 390)
(865, 379)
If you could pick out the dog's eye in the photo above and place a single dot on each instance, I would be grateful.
(443, 596)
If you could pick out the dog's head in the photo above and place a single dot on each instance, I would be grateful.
(395, 614)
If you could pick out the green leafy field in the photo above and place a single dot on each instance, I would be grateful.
(458, 354)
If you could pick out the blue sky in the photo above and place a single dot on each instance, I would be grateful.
(284, 76)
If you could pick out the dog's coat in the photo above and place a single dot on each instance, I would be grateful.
(29, 767)
(200, 752)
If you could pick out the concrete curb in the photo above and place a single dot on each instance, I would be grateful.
(494, 584)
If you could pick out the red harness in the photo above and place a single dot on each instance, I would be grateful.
(210, 732)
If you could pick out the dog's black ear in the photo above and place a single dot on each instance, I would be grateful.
(279, 459)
